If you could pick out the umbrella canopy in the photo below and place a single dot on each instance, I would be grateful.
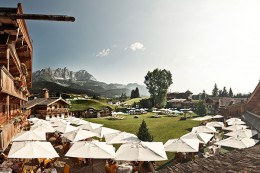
(101, 131)
(41, 122)
(182, 145)
(65, 129)
(78, 121)
(243, 133)
(78, 135)
(235, 127)
(235, 122)
(235, 142)
(207, 117)
(141, 151)
(91, 149)
(215, 124)
(59, 122)
(30, 136)
(120, 138)
(34, 119)
(233, 119)
(201, 137)
(90, 126)
(32, 149)
(204, 129)
(217, 116)
(42, 128)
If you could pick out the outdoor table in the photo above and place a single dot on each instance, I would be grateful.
(6, 164)
(124, 169)
(54, 170)
(5, 170)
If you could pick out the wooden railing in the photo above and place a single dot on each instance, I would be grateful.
(58, 110)
(7, 85)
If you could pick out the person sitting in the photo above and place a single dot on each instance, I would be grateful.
(113, 166)
(16, 167)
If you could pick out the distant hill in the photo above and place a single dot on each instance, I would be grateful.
(80, 81)
(55, 88)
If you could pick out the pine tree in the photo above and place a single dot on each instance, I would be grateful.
(137, 95)
(220, 93)
(132, 94)
(224, 92)
(215, 91)
(203, 95)
(201, 108)
(143, 133)
(230, 93)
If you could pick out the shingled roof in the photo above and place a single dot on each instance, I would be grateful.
(43, 101)
(252, 119)
(243, 160)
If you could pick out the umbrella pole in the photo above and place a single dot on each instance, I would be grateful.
(151, 167)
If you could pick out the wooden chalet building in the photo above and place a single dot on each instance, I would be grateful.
(47, 107)
(180, 100)
(217, 105)
(15, 73)
(93, 113)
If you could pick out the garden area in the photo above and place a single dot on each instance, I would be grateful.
(161, 129)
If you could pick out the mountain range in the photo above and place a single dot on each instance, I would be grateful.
(67, 81)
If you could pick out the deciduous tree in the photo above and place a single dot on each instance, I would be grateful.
(157, 82)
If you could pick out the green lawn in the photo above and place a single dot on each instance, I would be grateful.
(91, 103)
(162, 129)
(135, 100)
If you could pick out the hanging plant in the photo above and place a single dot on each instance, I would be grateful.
(24, 69)
(17, 81)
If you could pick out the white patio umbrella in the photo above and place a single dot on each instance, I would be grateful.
(30, 136)
(70, 119)
(41, 122)
(32, 149)
(182, 145)
(78, 135)
(33, 119)
(201, 137)
(204, 129)
(90, 126)
(235, 122)
(233, 119)
(217, 116)
(43, 128)
(243, 133)
(234, 127)
(141, 151)
(120, 138)
(78, 121)
(65, 129)
(59, 122)
(207, 117)
(91, 149)
(101, 131)
(235, 142)
(215, 124)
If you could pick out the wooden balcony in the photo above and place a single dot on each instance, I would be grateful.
(58, 110)
(7, 85)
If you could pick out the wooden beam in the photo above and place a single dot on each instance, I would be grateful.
(39, 17)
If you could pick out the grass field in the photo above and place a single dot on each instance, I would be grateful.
(162, 129)
(91, 103)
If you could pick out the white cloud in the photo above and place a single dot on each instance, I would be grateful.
(104, 52)
(137, 46)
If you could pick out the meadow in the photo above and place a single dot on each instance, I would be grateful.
(161, 129)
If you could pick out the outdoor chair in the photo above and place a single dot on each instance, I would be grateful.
(66, 168)
(107, 169)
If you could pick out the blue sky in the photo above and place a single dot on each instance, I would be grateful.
(202, 42)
